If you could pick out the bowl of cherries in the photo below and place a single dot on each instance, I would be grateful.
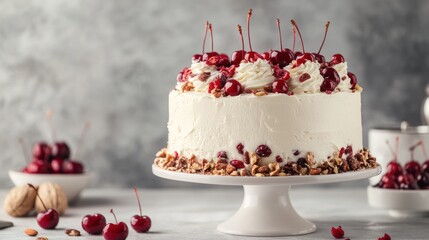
(404, 188)
(53, 163)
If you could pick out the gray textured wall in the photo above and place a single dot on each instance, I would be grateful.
(114, 62)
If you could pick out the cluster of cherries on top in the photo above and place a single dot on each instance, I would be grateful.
(277, 58)
(411, 176)
(53, 158)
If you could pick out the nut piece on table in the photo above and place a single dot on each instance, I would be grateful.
(72, 232)
(30, 232)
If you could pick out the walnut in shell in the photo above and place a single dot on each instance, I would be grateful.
(52, 196)
(20, 201)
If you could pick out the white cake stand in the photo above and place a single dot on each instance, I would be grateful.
(266, 209)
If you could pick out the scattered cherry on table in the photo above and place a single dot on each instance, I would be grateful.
(94, 224)
(140, 223)
(115, 231)
(48, 219)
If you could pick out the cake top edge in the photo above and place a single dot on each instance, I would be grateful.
(283, 71)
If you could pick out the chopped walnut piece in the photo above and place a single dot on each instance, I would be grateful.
(187, 86)
(254, 159)
(230, 169)
(315, 171)
(254, 170)
(204, 76)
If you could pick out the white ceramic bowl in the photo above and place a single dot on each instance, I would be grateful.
(408, 136)
(72, 184)
(400, 203)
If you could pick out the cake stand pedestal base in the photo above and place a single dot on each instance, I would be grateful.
(266, 211)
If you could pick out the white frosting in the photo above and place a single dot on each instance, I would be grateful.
(320, 123)
(197, 68)
(311, 85)
(344, 85)
(254, 75)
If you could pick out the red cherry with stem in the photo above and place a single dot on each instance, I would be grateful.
(212, 57)
(94, 224)
(38, 167)
(232, 87)
(238, 56)
(140, 223)
(394, 168)
(280, 86)
(118, 231)
(48, 219)
(60, 150)
(332, 74)
(251, 56)
(279, 57)
(288, 56)
(301, 59)
(353, 80)
(319, 57)
(199, 57)
(72, 167)
(412, 167)
(336, 59)
(57, 165)
(223, 60)
(42, 151)
(337, 232)
(299, 33)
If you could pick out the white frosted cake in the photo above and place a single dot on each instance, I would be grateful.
(273, 114)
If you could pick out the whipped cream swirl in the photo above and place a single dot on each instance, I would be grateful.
(305, 78)
(198, 68)
(254, 75)
(344, 85)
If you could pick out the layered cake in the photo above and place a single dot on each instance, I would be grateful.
(276, 113)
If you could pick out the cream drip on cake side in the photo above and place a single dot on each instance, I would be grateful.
(202, 125)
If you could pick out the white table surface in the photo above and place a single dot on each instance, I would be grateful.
(185, 213)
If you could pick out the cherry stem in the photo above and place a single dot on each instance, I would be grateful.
(294, 39)
(241, 36)
(425, 153)
(211, 33)
(82, 138)
(24, 148)
(299, 33)
(205, 35)
(35, 189)
(49, 114)
(324, 37)
(249, 15)
(391, 150)
(419, 143)
(280, 33)
(138, 200)
(114, 215)
(396, 146)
